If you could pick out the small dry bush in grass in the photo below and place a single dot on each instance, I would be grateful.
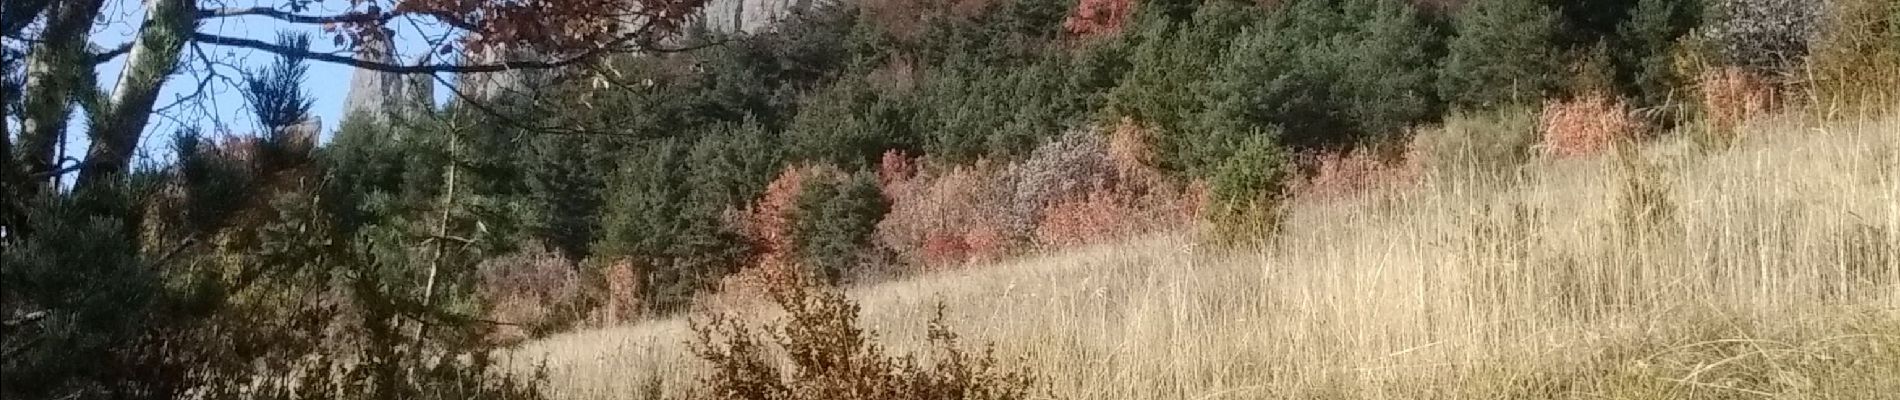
(1337, 173)
(1855, 64)
(1642, 205)
(537, 290)
(623, 297)
(749, 287)
(1472, 146)
(1730, 97)
(826, 355)
(1587, 125)
(1099, 216)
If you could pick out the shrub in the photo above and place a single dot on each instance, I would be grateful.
(1856, 60)
(948, 216)
(1247, 190)
(535, 289)
(1135, 197)
(1060, 170)
(748, 288)
(1586, 125)
(1769, 36)
(1504, 54)
(1098, 17)
(625, 299)
(828, 356)
(1091, 218)
(1733, 95)
(1130, 147)
(1644, 43)
(768, 223)
(835, 220)
(1477, 144)
(1344, 172)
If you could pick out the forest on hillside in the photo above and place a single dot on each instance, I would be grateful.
(852, 142)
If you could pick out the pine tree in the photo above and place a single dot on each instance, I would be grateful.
(1644, 44)
(1504, 53)
(650, 219)
(834, 222)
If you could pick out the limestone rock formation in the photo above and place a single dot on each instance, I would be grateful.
(747, 16)
(380, 95)
(718, 16)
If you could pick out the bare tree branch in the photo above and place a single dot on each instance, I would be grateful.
(108, 55)
(287, 16)
(625, 44)
(388, 67)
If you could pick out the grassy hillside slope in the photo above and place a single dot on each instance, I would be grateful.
(1768, 269)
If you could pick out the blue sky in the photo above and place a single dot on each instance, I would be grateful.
(327, 84)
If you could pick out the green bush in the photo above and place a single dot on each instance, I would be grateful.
(1478, 145)
(834, 221)
(1247, 191)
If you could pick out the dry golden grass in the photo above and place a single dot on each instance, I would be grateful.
(1765, 270)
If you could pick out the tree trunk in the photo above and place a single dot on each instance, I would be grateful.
(168, 26)
(55, 70)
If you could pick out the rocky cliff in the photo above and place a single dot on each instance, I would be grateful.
(734, 16)
(376, 94)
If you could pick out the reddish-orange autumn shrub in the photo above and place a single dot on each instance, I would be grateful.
(1098, 17)
(1341, 172)
(934, 218)
(941, 247)
(623, 299)
(1097, 217)
(1732, 95)
(894, 168)
(768, 225)
(1081, 188)
(1586, 125)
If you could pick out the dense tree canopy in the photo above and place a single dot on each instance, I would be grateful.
(840, 142)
